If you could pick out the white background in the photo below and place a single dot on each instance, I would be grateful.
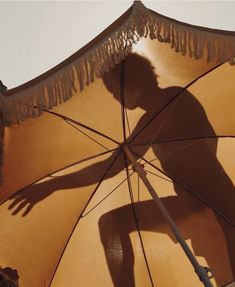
(35, 36)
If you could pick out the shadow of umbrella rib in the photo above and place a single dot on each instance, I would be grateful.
(176, 181)
(80, 216)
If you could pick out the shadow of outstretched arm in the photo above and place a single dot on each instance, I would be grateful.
(27, 198)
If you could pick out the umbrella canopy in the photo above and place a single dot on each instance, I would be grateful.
(74, 211)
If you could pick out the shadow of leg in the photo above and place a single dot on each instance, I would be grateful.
(114, 233)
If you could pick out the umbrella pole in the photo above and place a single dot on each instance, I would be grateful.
(201, 272)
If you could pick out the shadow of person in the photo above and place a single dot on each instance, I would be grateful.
(175, 126)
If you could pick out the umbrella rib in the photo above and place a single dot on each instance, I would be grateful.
(161, 177)
(83, 160)
(122, 83)
(137, 223)
(127, 121)
(81, 125)
(173, 99)
(138, 188)
(103, 199)
(189, 190)
(76, 128)
(80, 216)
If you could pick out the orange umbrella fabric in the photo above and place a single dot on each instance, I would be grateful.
(73, 211)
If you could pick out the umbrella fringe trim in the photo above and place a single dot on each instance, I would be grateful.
(61, 86)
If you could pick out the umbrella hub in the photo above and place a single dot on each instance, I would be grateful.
(137, 166)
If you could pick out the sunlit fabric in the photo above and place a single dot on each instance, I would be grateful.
(73, 210)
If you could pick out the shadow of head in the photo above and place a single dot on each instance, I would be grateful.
(136, 76)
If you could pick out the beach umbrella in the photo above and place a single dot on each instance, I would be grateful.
(118, 164)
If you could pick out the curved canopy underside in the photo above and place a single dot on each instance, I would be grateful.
(73, 210)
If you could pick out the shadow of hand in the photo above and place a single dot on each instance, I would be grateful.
(26, 199)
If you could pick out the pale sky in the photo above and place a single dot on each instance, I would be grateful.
(35, 36)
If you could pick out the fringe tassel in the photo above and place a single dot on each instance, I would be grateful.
(60, 87)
